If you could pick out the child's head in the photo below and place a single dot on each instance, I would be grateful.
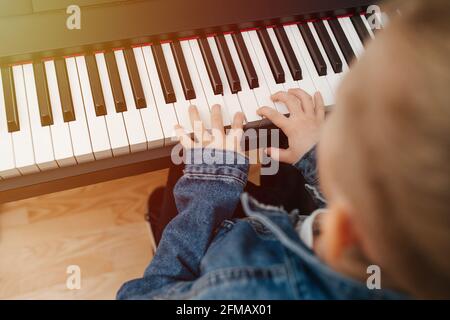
(384, 159)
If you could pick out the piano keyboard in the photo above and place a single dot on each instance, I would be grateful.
(79, 109)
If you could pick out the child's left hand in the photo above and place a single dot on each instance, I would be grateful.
(216, 139)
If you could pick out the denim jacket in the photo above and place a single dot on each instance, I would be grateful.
(204, 254)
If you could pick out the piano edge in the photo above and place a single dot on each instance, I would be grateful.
(66, 178)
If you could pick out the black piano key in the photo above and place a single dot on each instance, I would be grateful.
(114, 79)
(272, 58)
(227, 61)
(183, 71)
(45, 110)
(342, 40)
(64, 91)
(288, 52)
(313, 49)
(360, 28)
(163, 73)
(210, 66)
(135, 79)
(12, 115)
(96, 86)
(246, 61)
(327, 43)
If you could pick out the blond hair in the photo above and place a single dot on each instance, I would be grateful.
(395, 162)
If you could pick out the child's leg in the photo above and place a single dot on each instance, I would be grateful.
(286, 189)
(288, 186)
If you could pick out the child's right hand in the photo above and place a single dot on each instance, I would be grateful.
(303, 126)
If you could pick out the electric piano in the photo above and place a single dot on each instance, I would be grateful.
(87, 105)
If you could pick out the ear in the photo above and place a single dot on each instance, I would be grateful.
(338, 234)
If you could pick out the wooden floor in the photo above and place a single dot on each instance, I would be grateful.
(100, 228)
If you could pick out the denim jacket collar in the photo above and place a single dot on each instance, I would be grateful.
(281, 226)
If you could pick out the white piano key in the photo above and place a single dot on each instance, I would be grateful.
(366, 23)
(356, 40)
(62, 141)
(200, 97)
(166, 111)
(78, 129)
(345, 67)
(150, 116)
(352, 36)
(22, 139)
(114, 120)
(332, 77)
(204, 78)
(97, 125)
(320, 82)
(246, 96)
(42, 139)
(232, 104)
(306, 83)
(7, 164)
(267, 84)
(132, 117)
(181, 105)
(343, 24)
(289, 81)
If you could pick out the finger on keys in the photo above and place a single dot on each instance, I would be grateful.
(307, 103)
(273, 115)
(292, 102)
(280, 155)
(238, 121)
(216, 118)
(319, 105)
(182, 136)
(237, 126)
(198, 127)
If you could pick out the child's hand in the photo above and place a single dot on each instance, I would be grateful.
(216, 139)
(302, 127)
